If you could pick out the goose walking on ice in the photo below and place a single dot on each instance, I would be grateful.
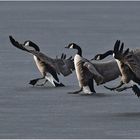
(129, 65)
(48, 67)
(83, 69)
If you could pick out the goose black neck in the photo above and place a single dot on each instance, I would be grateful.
(110, 52)
(35, 46)
(79, 51)
(32, 44)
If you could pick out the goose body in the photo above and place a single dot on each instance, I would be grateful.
(40, 65)
(84, 76)
(48, 67)
(77, 64)
(128, 62)
(108, 71)
(81, 75)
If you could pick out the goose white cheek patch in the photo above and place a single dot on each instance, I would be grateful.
(27, 44)
(71, 46)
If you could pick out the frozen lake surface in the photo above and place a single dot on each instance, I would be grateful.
(47, 112)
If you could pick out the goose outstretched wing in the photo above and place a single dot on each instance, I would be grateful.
(62, 65)
(130, 58)
(65, 65)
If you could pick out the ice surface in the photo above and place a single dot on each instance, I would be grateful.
(27, 112)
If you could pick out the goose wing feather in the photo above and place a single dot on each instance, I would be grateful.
(86, 68)
(89, 66)
(130, 58)
(98, 77)
(65, 66)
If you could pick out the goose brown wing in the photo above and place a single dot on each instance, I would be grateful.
(87, 72)
(89, 66)
(136, 52)
(132, 59)
(94, 73)
(83, 73)
(65, 65)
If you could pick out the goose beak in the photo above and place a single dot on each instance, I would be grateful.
(67, 47)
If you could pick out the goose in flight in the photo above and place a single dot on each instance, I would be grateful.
(48, 67)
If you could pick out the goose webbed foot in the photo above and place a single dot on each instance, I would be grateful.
(41, 85)
(75, 92)
(122, 89)
(110, 88)
(59, 84)
(62, 85)
(33, 82)
(115, 88)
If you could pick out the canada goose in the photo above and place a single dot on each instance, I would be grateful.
(86, 71)
(98, 71)
(48, 67)
(84, 76)
(128, 63)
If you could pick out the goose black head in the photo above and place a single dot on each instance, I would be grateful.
(31, 45)
(74, 46)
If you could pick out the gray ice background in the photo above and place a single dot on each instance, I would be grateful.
(48, 112)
